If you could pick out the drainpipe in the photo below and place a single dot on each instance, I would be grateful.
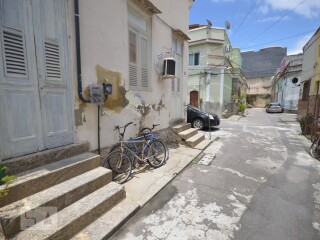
(78, 51)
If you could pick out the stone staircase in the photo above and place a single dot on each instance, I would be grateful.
(69, 198)
(191, 136)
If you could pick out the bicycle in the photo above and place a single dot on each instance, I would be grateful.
(315, 146)
(152, 151)
(147, 133)
(156, 135)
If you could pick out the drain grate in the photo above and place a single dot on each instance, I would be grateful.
(206, 159)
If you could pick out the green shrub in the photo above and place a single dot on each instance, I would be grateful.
(305, 124)
(242, 107)
(5, 179)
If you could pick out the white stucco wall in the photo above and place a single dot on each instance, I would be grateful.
(104, 52)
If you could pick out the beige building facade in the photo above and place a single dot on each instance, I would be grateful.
(123, 43)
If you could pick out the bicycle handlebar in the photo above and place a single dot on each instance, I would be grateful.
(149, 129)
(125, 126)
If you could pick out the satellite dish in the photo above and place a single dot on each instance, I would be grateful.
(228, 26)
(294, 80)
(209, 22)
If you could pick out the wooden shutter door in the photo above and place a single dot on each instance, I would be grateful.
(54, 81)
(20, 124)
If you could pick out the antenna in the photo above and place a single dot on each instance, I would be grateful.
(227, 25)
(209, 23)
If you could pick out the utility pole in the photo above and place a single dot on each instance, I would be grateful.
(208, 85)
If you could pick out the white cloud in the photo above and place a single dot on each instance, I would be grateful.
(308, 8)
(297, 48)
(264, 9)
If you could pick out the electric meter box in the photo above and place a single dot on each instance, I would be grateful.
(97, 94)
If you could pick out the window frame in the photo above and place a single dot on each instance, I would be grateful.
(141, 35)
(194, 59)
(176, 85)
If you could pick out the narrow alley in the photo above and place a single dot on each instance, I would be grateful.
(262, 184)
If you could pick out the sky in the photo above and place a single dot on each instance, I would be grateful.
(257, 24)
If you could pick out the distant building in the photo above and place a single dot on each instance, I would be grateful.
(286, 82)
(259, 67)
(214, 70)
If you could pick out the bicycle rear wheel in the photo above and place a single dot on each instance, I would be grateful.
(315, 149)
(120, 164)
(157, 153)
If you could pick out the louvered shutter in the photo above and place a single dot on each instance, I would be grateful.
(52, 61)
(133, 59)
(144, 70)
(14, 53)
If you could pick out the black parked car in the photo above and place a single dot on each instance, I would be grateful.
(200, 119)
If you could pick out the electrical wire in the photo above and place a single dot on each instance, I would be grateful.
(279, 40)
(274, 23)
(252, 7)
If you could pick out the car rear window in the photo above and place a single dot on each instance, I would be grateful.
(275, 104)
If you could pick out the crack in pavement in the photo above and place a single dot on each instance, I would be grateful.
(238, 174)
(219, 188)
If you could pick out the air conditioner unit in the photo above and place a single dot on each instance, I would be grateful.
(169, 67)
(227, 48)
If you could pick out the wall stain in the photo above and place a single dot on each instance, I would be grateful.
(117, 101)
(158, 107)
(144, 110)
(78, 113)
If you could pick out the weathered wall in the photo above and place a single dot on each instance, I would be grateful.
(302, 108)
(104, 51)
(259, 85)
(260, 100)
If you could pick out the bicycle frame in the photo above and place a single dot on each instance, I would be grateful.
(124, 146)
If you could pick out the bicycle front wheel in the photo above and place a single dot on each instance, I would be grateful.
(315, 149)
(120, 164)
(157, 153)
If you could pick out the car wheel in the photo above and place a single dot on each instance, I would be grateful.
(198, 124)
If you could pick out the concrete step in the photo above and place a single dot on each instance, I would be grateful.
(196, 139)
(72, 219)
(31, 161)
(188, 133)
(110, 222)
(38, 179)
(203, 144)
(181, 127)
(58, 196)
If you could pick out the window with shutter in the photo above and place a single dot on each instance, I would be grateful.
(139, 50)
(14, 53)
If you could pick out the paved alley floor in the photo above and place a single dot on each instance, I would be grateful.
(258, 182)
